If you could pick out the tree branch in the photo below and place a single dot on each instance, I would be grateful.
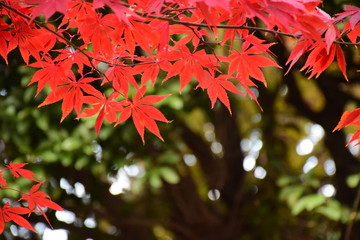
(259, 29)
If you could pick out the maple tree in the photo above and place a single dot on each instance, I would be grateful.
(209, 44)
(117, 40)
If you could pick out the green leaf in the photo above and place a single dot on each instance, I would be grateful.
(70, 144)
(81, 162)
(169, 175)
(291, 194)
(169, 157)
(155, 180)
(308, 203)
(284, 181)
(353, 180)
(331, 210)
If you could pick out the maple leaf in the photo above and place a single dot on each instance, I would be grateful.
(106, 107)
(297, 15)
(93, 30)
(71, 92)
(5, 36)
(120, 9)
(190, 34)
(353, 33)
(2, 179)
(216, 87)
(17, 170)
(26, 37)
(143, 115)
(248, 62)
(47, 7)
(163, 30)
(319, 59)
(348, 118)
(38, 199)
(341, 61)
(350, 11)
(299, 50)
(189, 64)
(120, 77)
(211, 3)
(76, 11)
(51, 73)
(8, 213)
(245, 83)
(151, 68)
(72, 56)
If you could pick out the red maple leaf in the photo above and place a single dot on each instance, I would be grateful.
(17, 170)
(189, 34)
(120, 77)
(106, 107)
(94, 30)
(348, 118)
(51, 73)
(216, 87)
(246, 83)
(72, 56)
(353, 33)
(300, 49)
(350, 11)
(340, 58)
(319, 59)
(131, 35)
(150, 68)
(71, 92)
(248, 62)
(189, 64)
(48, 7)
(8, 214)
(26, 37)
(120, 9)
(38, 199)
(2, 179)
(5, 36)
(143, 115)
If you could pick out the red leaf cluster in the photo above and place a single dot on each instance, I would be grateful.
(149, 42)
(35, 198)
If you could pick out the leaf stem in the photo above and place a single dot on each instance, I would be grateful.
(4, 188)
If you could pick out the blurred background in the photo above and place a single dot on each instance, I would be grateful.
(280, 173)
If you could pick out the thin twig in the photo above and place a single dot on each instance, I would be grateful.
(353, 215)
(209, 26)
(185, 23)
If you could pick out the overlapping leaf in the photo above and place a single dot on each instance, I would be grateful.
(38, 199)
(143, 115)
(8, 213)
(249, 61)
(71, 91)
(216, 87)
(106, 108)
(17, 170)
